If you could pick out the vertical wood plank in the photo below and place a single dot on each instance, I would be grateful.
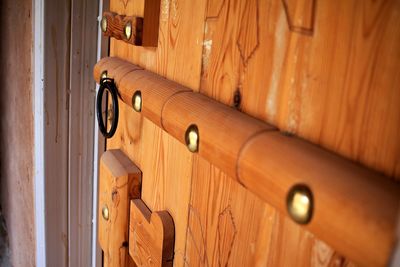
(228, 226)
(326, 71)
(166, 164)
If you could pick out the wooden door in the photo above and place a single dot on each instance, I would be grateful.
(326, 71)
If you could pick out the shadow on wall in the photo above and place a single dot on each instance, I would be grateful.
(4, 250)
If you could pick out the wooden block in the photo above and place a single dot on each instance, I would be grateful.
(120, 181)
(116, 27)
(222, 130)
(144, 31)
(151, 236)
(355, 209)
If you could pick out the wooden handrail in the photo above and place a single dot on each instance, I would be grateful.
(354, 209)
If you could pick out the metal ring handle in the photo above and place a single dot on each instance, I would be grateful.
(107, 84)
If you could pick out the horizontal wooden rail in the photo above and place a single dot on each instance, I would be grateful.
(353, 209)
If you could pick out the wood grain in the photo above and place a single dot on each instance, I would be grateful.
(116, 27)
(269, 164)
(165, 162)
(222, 130)
(356, 211)
(151, 236)
(228, 226)
(120, 181)
(180, 40)
(234, 141)
(151, 22)
(336, 87)
(300, 15)
(166, 166)
(155, 91)
(18, 146)
(333, 81)
(114, 67)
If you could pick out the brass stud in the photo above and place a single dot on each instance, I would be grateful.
(103, 24)
(300, 203)
(128, 30)
(192, 138)
(137, 101)
(103, 75)
(105, 212)
(110, 114)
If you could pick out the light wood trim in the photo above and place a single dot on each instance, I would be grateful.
(355, 210)
(151, 236)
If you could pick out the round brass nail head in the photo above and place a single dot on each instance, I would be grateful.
(103, 75)
(105, 212)
(192, 138)
(104, 24)
(128, 30)
(110, 114)
(137, 101)
(300, 204)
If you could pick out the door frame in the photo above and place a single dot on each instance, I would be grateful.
(38, 117)
(102, 51)
(66, 143)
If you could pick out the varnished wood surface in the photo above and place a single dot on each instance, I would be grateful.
(116, 27)
(155, 92)
(326, 71)
(329, 74)
(120, 181)
(222, 130)
(115, 69)
(268, 164)
(151, 236)
(228, 226)
(166, 163)
(356, 210)
(151, 22)
(17, 169)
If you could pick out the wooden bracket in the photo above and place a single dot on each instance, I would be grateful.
(115, 27)
(120, 181)
(151, 236)
(134, 30)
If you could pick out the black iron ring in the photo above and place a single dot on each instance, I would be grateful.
(107, 84)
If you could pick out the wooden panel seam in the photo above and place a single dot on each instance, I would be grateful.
(244, 146)
(166, 102)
